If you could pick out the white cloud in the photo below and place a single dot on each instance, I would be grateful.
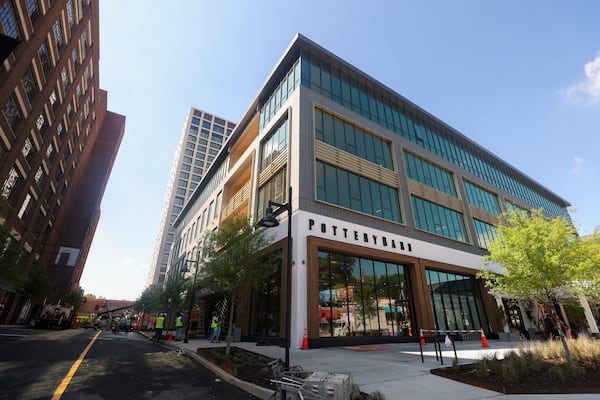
(588, 90)
(579, 165)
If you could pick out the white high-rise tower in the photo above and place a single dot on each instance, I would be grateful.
(202, 138)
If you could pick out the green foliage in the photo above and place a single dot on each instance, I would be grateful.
(15, 262)
(234, 261)
(74, 299)
(174, 288)
(18, 268)
(233, 258)
(546, 359)
(150, 301)
(540, 258)
(35, 284)
(170, 297)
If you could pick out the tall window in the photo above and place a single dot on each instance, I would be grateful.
(275, 189)
(440, 220)
(9, 21)
(70, 15)
(274, 144)
(361, 296)
(456, 301)
(64, 77)
(429, 174)
(482, 198)
(346, 189)
(57, 30)
(75, 57)
(29, 84)
(265, 307)
(44, 57)
(352, 139)
(27, 150)
(11, 183)
(32, 8)
(218, 205)
(286, 87)
(486, 233)
(11, 113)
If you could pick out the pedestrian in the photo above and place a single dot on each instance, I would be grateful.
(215, 326)
(158, 328)
(178, 327)
(117, 321)
(551, 331)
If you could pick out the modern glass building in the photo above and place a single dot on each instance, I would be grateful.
(203, 137)
(391, 207)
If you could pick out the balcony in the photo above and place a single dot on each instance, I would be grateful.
(238, 203)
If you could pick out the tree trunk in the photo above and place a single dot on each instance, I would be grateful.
(229, 336)
(563, 339)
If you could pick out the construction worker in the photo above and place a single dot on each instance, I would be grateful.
(215, 326)
(178, 326)
(158, 328)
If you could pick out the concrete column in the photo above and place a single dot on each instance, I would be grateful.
(589, 316)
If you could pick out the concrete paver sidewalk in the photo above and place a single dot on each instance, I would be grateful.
(394, 369)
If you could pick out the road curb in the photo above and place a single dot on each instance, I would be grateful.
(251, 388)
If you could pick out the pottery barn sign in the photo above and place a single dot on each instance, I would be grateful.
(357, 236)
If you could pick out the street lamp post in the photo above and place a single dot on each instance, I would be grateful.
(193, 292)
(269, 220)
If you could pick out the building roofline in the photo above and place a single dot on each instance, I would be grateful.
(301, 42)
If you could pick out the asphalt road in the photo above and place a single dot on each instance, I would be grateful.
(36, 364)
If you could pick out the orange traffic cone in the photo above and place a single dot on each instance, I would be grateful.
(170, 336)
(305, 341)
(484, 342)
(422, 338)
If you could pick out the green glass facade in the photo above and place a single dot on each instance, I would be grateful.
(282, 92)
(346, 189)
(275, 144)
(352, 139)
(429, 174)
(437, 219)
(482, 198)
(347, 89)
(486, 233)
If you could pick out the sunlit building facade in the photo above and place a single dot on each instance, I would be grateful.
(58, 144)
(392, 209)
(203, 137)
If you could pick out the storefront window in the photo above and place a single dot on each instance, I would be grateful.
(264, 309)
(456, 302)
(362, 297)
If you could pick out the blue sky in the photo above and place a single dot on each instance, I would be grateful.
(522, 79)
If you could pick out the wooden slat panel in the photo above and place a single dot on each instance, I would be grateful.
(483, 215)
(334, 156)
(429, 193)
(239, 199)
(272, 169)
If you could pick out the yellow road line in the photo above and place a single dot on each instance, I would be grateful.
(65, 382)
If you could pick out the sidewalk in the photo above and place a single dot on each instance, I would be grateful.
(395, 369)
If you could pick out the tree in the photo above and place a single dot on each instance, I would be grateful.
(18, 268)
(150, 301)
(234, 261)
(75, 299)
(172, 297)
(540, 258)
(15, 261)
